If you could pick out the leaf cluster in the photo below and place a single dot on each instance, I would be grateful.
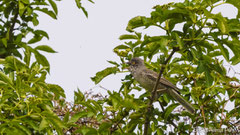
(205, 40)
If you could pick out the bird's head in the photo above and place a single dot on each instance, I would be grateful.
(135, 63)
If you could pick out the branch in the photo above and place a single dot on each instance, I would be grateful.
(13, 25)
(153, 93)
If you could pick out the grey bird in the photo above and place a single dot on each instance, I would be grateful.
(147, 79)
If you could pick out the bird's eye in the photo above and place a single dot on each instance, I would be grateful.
(133, 63)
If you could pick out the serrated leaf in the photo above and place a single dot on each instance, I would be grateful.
(45, 48)
(102, 74)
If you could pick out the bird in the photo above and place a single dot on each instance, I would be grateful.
(147, 79)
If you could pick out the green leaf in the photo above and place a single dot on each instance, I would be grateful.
(25, 1)
(127, 36)
(46, 11)
(201, 67)
(79, 5)
(41, 59)
(77, 116)
(57, 90)
(41, 32)
(21, 8)
(44, 124)
(102, 74)
(179, 41)
(35, 20)
(84, 11)
(55, 121)
(235, 60)
(23, 128)
(5, 78)
(224, 51)
(135, 23)
(35, 39)
(45, 48)
(221, 23)
(78, 97)
(4, 41)
(104, 127)
(121, 47)
(66, 117)
(86, 131)
(54, 6)
(14, 64)
(209, 78)
(169, 109)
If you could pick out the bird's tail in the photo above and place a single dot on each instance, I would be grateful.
(182, 101)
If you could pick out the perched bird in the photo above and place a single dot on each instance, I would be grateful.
(147, 79)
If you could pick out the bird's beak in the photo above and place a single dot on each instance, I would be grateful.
(129, 63)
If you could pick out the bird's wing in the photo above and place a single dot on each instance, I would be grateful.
(153, 76)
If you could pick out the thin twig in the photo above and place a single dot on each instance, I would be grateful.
(153, 93)
(204, 119)
(117, 125)
(13, 25)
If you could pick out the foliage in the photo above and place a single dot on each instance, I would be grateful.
(26, 100)
(30, 105)
(205, 41)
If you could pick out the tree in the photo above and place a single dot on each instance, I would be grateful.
(26, 99)
(202, 44)
(30, 105)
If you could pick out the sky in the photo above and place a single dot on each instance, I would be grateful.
(85, 44)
